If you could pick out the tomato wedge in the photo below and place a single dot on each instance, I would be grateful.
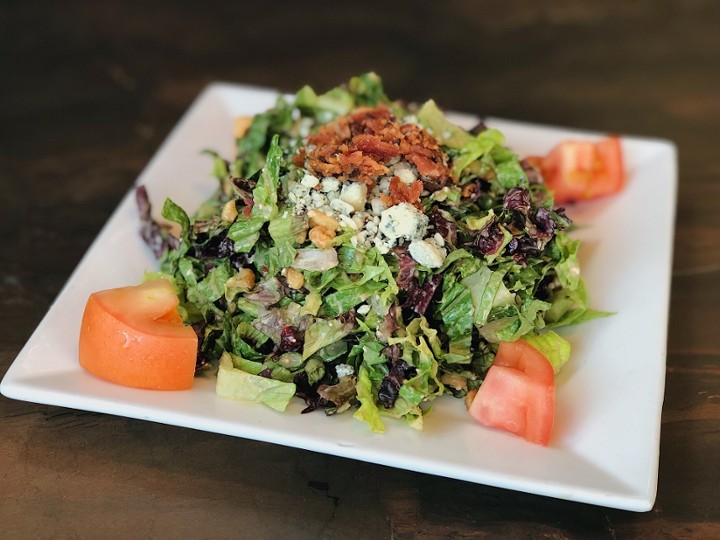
(579, 170)
(518, 393)
(135, 336)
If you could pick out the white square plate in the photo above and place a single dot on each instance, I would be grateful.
(605, 443)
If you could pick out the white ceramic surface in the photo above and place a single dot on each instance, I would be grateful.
(605, 444)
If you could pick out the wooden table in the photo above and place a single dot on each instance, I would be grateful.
(89, 91)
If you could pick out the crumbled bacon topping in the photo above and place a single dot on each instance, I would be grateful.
(402, 192)
(362, 145)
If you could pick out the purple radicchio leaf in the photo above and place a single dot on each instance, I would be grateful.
(220, 246)
(544, 223)
(348, 320)
(478, 128)
(488, 239)
(390, 322)
(308, 393)
(532, 172)
(243, 184)
(266, 293)
(400, 371)
(520, 248)
(216, 246)
(243, 189)
(392, 352)
(151, 232)
(271, 321)
(517, 199)
(561, 219)
(406, 267)
(200, 360)
(419, 297)
(207, 225)
(446, 227)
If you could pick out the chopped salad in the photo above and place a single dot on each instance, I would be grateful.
(367, 256)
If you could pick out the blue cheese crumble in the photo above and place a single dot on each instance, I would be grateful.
(368, 216)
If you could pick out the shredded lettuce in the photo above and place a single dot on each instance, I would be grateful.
(476, 148)
(487, 290)
(457, 312)
(239, 384)
(173, 212)
(444, 131)
(321, 333)
(265, 194)
(368, 411)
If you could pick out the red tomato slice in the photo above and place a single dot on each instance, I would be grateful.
(135, 336)
(526, 358)
(578, 170)
(518, 393)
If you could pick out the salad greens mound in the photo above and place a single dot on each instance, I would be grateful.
(368, 255)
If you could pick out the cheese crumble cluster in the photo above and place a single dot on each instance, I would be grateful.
(368, 215)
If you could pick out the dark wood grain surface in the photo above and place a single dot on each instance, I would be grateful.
(88, 92)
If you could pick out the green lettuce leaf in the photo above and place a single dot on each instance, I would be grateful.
(474, 149)
(568, 269)
(456, 312)
(508, 171)
(265, 194)
(236, 384)
(570, 306)
(487, 290)
(175, 213)
(337, 101)
(245, 233)
(420, 347)
(367, 90)
(202, 294)
(344, 299)
(446, 133)
(509, 323)
(322, 333)
(368, 411)
(552, 346)
(250, 157)
(315, 369)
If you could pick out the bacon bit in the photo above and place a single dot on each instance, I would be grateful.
(374, 147)
(387, 199)
(368, 169)
(246, 211)
(426, 167)
(401, 192)
(299, 158)
(359, 147)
